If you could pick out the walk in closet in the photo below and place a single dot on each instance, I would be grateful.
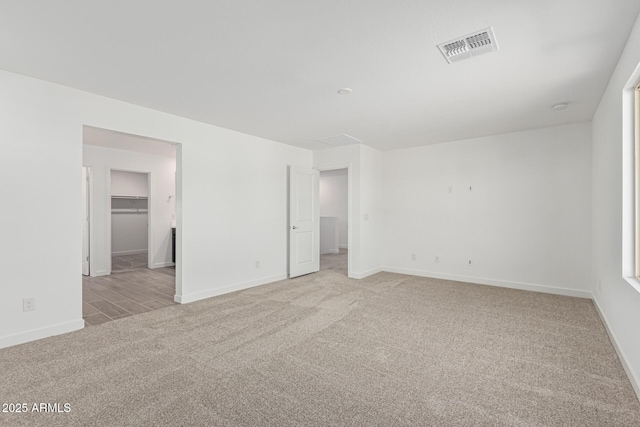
(129, 214)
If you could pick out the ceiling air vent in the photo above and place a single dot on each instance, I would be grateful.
(339, 140)
(464, 47)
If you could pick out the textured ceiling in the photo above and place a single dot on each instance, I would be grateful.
(273, 68)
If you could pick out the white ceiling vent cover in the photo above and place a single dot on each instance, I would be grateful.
(465, 47)
(339, 140)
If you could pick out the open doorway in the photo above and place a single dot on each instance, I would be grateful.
(334, 220)
(132, 217)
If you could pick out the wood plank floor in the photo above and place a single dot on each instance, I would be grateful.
(124, 294)
(131, 262)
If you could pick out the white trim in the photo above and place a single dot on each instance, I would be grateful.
(134, 252)
(86, 221)
(178, 211)
(163, 264)
(343, 246)
(362, 275)
(36, 334)
(150, 220)
(93, 249)
(628, 181)
(494, 282)
(183, 299)
(100, 273)
(633, 378)
(107, 197)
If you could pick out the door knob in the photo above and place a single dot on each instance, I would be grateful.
(294, 227)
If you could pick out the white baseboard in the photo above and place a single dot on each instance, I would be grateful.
(99, 273)
(363, 274)
(494, 282)
(343, 246)
(134, 252)
(184, 299)
(36, 334)
(633, 378)
(163, 264)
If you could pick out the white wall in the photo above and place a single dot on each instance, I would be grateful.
(334, 200)
(329, 235)
(161, 202)
(232, 204)
(617, 300)
(371, 209)
(130, 235)
(130, 183)
(525, 223)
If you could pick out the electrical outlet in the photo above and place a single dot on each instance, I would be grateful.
(436, 259)
(257, 264)
(470, 263)
(28, 304)
(413, 257)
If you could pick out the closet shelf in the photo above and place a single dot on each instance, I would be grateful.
(129, 211)
(130, 197)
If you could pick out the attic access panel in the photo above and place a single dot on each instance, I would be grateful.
(339, 140)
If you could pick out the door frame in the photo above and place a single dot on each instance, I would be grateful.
(149, 214)
(350, 221)
(87, 200)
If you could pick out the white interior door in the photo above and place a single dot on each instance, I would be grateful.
(85, 220)
(304, 221)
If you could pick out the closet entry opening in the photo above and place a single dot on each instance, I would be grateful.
(129, 221)
(334, 220)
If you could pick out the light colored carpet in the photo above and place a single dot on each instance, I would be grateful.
(336, 262)
(326, 350)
